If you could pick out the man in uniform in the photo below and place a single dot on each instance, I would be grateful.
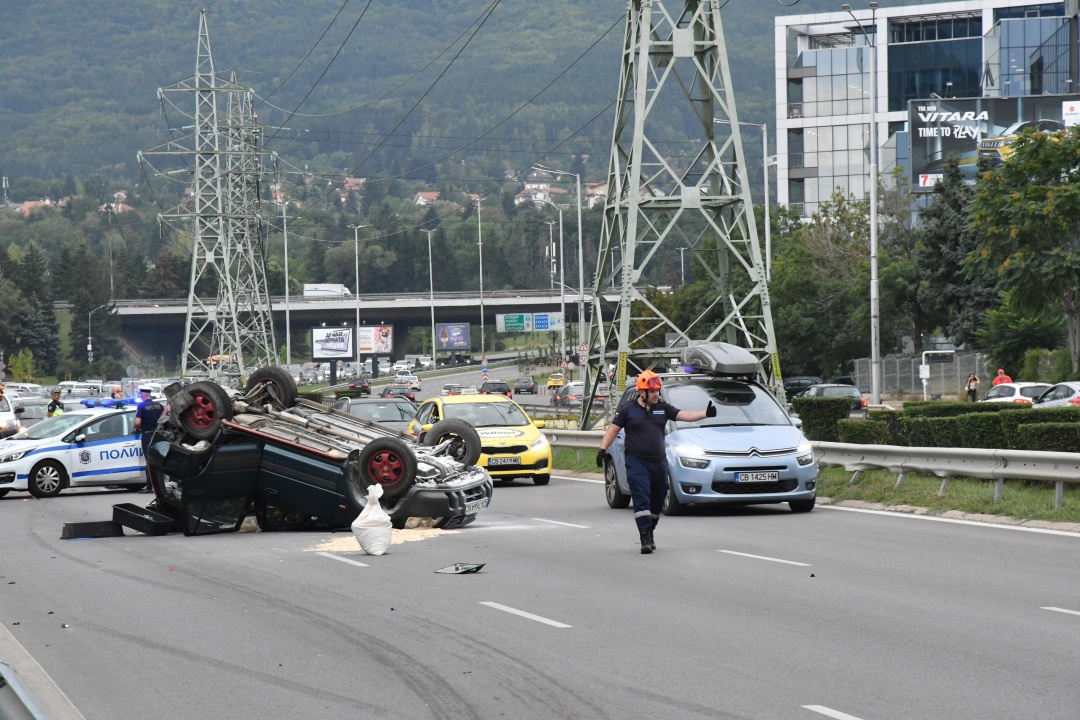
(56, 407)
(644, 420)
(146, 422)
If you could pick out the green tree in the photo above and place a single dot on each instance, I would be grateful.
(1009, 333)
(1026, 218)
(21, 365)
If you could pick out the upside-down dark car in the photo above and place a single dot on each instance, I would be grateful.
(219, 455)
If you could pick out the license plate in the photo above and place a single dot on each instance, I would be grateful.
(504, 461)
(475, 506)
(752, 477)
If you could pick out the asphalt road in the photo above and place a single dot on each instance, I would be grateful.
(742, 614)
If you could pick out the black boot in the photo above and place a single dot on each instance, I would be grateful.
(652, 542)
(646, 542)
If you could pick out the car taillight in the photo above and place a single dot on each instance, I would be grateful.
(1022, 400)
(862, 402)
(1075, 401)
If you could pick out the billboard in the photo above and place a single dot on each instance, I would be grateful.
(375, 340)
(978, 128)
(331, 343)
(452, 336)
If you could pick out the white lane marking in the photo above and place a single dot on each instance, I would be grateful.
(829, 712)
(762, 557)
(1061, 610)
(524, 614)
(332, 556)
(957, 521)
(578, 479)
(556, 522)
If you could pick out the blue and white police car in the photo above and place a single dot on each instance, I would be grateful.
(90, 446)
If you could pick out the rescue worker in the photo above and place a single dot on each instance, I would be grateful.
(146, 422)
(56, 407)
(644, 419)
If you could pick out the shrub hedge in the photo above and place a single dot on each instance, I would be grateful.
(863, 432)
(312, 395)
(894, 430)
(981, 430)
(931, 431)
(1050, 436)
(820, 416)
(1011, 420)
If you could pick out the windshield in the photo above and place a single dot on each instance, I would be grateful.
(383, 412)
(1019, 127)
(736, 404)
(487, 414)
(56, 425)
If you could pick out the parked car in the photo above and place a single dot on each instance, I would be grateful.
(362, 384)
(1018, 392)
(495, 387)
(392, 412)
(752, 452)
(859, 404)
(79, 448)
(512, 445)
(1065, 394)
(795, 385)
(401, 391)
(525, 385)
(219, 456)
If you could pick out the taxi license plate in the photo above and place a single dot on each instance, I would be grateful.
(752, 477)
(475, 506)
(504, 461)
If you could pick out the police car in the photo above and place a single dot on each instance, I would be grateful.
(90, 446)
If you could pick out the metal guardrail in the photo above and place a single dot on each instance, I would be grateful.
(946, 463)
(17, 702)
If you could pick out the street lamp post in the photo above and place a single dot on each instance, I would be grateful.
(431, 290)
(356, 332)
(90, 334)
(480, 245)
(562, 279)
(580, 255)
(288, 324)
(875, 311)
(765, 168)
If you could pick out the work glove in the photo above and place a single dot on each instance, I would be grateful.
(710, 411)
(600, 455)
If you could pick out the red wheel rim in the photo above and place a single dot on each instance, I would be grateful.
(201, 415)
(386, 468)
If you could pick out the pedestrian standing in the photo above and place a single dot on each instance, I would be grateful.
(1001, 377)
(56, 407)
(644, 420)
(972, 386)
(146, 422)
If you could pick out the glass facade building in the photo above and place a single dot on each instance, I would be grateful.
(971, 48)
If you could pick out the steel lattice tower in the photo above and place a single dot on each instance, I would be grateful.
(229, 321)
(675, 74)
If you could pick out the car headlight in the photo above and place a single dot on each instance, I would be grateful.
(689, 456)
(539, 443)
(804, 454)
(13, 456)
(693, 462)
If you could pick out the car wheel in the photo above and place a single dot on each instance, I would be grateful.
(802, 506)
(616, 498)
(389, 462)
(134, 488)
(47, 479)
(672, 506)
(275, 386)
(541, 479)
(465, 448)
(210, 408)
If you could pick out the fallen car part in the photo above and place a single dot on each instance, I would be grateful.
(461, 568)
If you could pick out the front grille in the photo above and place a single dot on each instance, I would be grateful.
(734, 488)
(752, 452)
(508, 450)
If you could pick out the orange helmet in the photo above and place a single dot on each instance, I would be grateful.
(648, 380)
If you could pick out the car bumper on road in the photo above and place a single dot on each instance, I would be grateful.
(720, 486)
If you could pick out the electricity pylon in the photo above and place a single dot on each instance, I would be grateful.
(675, 74)
(229, 328)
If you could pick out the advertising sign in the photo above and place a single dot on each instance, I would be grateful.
(452, 336)
(520, 322)
(547, 321)
(376, 340)
(331, 343)
(978, 128)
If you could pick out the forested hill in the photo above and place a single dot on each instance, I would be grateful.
(79, 80)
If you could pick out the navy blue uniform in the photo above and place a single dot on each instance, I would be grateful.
(646, 463)
(148, 414)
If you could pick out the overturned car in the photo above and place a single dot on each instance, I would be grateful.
(219, 455)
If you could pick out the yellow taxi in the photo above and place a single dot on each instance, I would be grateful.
(512, 445)
(556, 380)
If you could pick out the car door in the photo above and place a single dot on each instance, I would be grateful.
(1056, 396)
(107, 451)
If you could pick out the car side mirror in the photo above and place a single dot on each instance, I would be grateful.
(797, 422)
(80, 438)
(20, 410)
(540, 424)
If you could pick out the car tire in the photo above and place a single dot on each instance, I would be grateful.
(389, 462)
(277, 387)
(541, 479)
(672, 506)
(616, 498)
(47, 479)
(211, 407)
(467, 447)
(802, 506)
(132, 487)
